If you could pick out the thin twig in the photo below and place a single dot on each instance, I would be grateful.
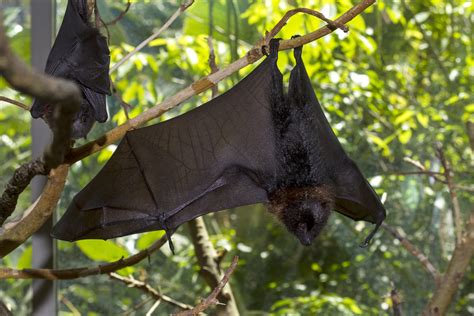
(66, 274)
(425, 262)
(212, 64)
(120, 16)
(126, 106)
(148, 289)
(277, 28)
(422, 168)
(433, 174)
(212, 298)
(452, 192)
(15, 102)
(421, 172)
(206, 83)
(165, 26)
(396, 302)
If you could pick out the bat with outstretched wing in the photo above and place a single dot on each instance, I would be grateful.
(80, 53)
(252, 144)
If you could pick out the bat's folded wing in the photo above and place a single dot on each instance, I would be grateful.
(355, 197)
(214, 157)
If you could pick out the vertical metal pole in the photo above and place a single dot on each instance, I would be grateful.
(42, 32)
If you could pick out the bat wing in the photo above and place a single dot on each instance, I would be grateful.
(355, 197)
(80, 53)
(215, 157)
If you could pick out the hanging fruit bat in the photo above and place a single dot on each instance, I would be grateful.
(79, 53)
(253, 144)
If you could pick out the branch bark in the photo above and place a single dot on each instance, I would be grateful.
(15, 232)
(210, 270)
(75, 273)
(459, 263)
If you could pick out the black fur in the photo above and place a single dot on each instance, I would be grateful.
(301, 197)
(80, 54)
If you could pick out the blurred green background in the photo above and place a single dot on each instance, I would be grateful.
(399, 81)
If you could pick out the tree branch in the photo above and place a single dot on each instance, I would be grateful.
(333, 25)
(15, 102)
(148, 289)
(66, 274)
(210, 270)
(212, 298)
(15, 232)
(204, 84)
(17, 184)
(459, 263)
(121, 15)
(425, 262)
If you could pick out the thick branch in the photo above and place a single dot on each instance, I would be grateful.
(425, 262)
(15, 232)
(41, 86)
(210, 270)
(204, 84)
(63, 274)
(212, 298)
(17, 184)
(148, 289)
(459, 263)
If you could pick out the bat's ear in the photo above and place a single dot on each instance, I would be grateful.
(355, 197)
(37, 109)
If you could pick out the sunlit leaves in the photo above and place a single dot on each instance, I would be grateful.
(101, 250)
(147, 239)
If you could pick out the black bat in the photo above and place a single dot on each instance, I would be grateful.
(79, 53)
(250, 145)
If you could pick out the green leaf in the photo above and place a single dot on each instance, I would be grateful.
(147, 239)
(102, 250)
(25, 259)
(405, 136)
(423, 119)
(402, 118)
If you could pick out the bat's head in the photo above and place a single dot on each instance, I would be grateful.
(304, 211)
(82, 121)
